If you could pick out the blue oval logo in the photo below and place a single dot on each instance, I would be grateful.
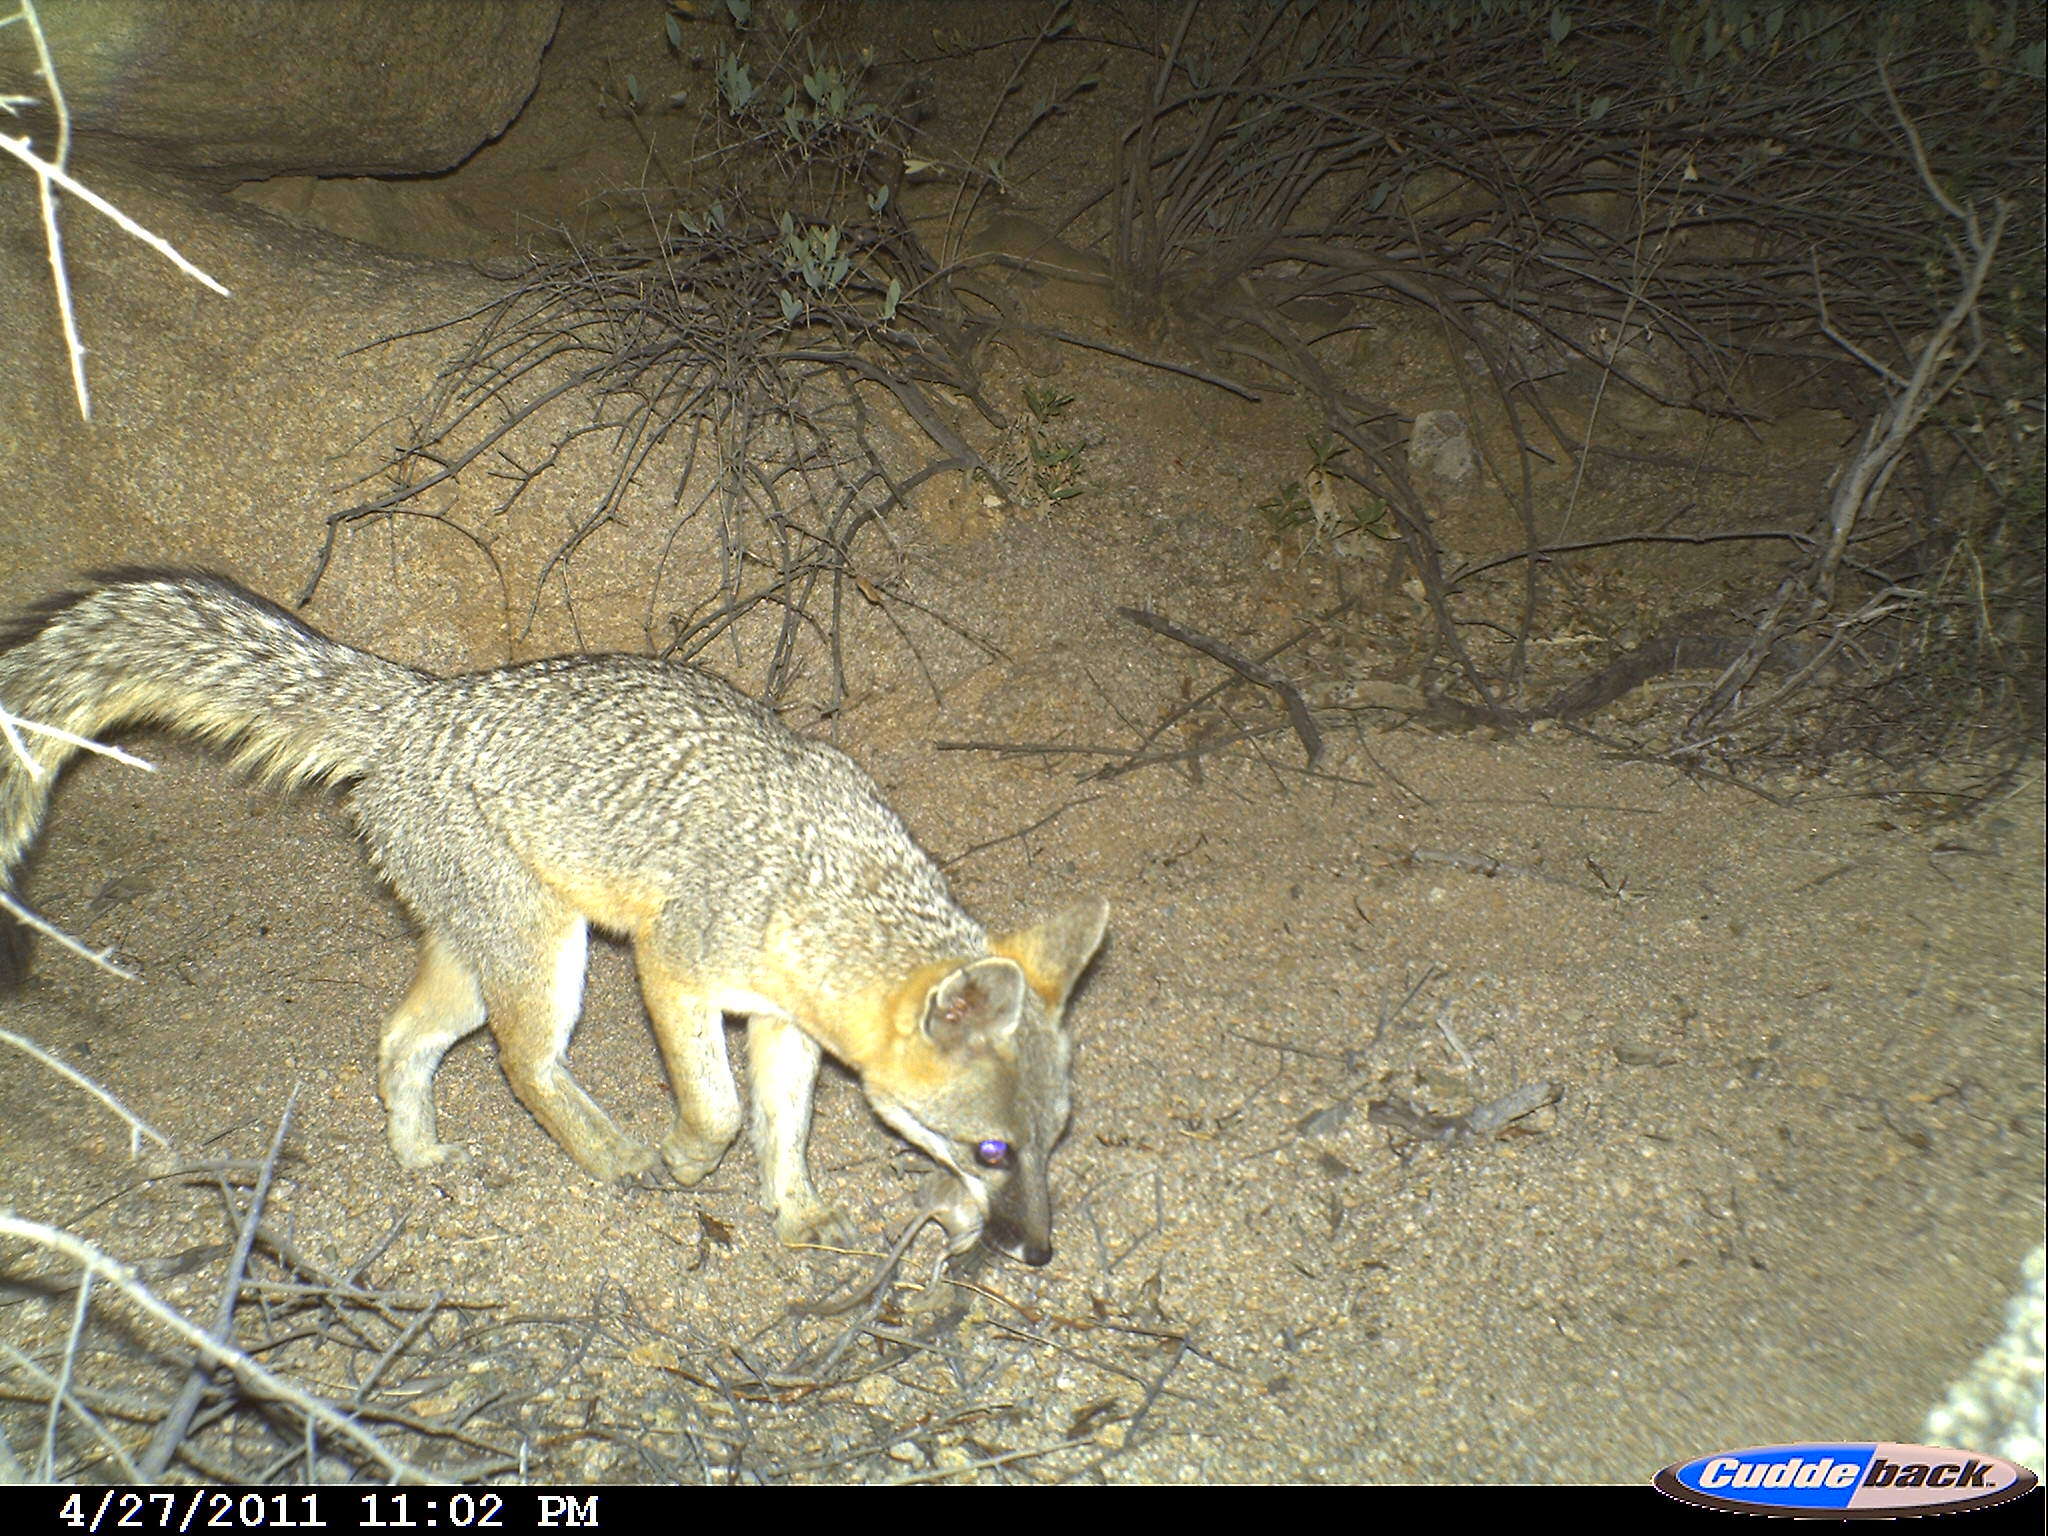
(1879, 1478)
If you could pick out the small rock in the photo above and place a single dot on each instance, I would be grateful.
(1441, 448)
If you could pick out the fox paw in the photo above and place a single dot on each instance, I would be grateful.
(815, 1225)
(690, 1162)
(423, 1157)
(628, 1162)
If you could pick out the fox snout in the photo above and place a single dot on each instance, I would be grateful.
(1034, 1248)
(1006, 1218)
(1019, 1219)
(1037, 1255)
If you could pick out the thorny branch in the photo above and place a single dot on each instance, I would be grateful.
(681, 366)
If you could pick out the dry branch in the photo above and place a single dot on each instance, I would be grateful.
(1297, 707)
(1300, 170)
(682, 363)
(254, 1377)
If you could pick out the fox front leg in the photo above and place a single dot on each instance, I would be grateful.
(782, 1064)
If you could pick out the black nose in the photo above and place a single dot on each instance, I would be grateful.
(1036, 1254)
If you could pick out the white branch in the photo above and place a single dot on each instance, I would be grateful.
(11, 724)
(245, 1370)
(49, 930)
(135, 1121)
(35, 162)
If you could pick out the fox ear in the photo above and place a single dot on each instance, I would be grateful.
(1057, 950)
(976, 1003)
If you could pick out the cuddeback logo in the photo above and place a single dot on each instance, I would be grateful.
(1878, 1479)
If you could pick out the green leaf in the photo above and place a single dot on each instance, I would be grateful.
(734, 83)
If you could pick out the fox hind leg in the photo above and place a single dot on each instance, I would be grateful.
(444, 1004)
(501, 948)
(534, 1001)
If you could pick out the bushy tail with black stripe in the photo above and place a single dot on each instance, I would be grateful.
(200, 655)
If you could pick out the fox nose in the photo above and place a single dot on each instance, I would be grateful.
(1037, 1252)
(1031, 1252)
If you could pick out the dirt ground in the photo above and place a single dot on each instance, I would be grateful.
(1779, 1186)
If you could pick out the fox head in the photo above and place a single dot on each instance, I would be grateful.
(977, 1078)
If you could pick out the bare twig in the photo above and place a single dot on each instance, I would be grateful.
(19, 148)
(1805, 597)
(254, 1377)
(1297, 707)
(170, 1431)
(753, 422)
(74, 1403)
(1009, 837)
(11, 725)
(137, 1126)
(51, 175)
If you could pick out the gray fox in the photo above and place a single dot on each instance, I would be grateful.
(754, 872)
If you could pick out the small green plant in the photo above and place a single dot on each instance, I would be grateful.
(1056, 469)
(788, 115)
(1317, 502)
(816, 110)
(1045, 403)
(710, 222)
(1041, 452)
(1285, 510)
(819, 256)
(736, 87)
(814, 253)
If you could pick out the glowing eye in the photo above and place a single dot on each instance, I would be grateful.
(993, 1153)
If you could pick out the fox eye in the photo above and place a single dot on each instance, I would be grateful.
(992, 1153)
